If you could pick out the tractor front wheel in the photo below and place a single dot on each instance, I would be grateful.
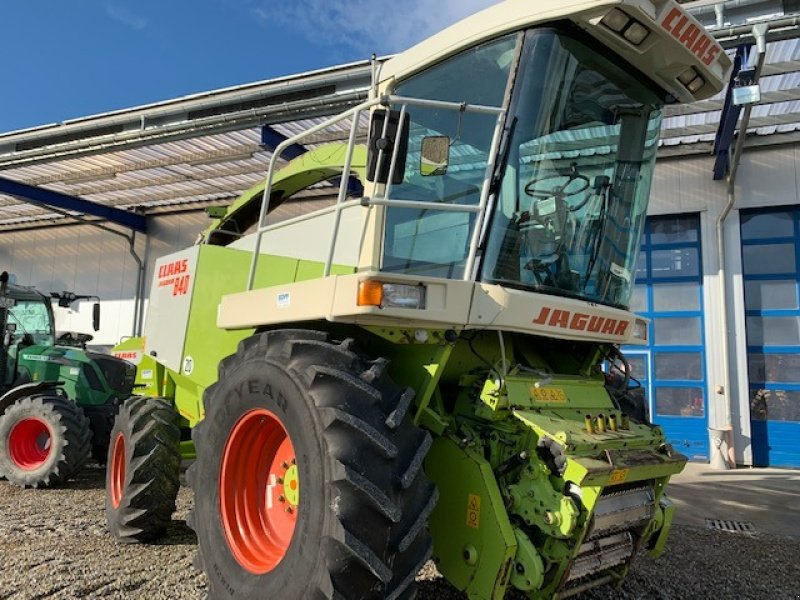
(308, 481)
(142, 470)
(44, 440)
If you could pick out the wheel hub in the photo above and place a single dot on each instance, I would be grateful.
(259, 491)
(291, 486)
(29, 443)
(117, 467)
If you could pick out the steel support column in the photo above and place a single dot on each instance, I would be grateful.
(728, 121)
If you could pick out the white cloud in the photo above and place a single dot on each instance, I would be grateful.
(125, 16)
(367, 25)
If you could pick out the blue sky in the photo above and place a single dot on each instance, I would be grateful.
(66, 59)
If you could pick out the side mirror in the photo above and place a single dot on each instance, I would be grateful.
(434, 155)
(386, 132)
(96, 316)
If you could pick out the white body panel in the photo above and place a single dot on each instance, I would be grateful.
(450, 304)
(170, 301)
(310, 239)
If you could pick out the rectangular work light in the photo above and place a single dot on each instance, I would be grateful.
(391, 295)
(692, 80)
(620, 23)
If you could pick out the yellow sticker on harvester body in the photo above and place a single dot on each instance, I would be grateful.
(549, 395)
(473, 511)
(618, 476)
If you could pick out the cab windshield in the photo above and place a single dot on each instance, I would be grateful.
(572, 197)
(31, 322)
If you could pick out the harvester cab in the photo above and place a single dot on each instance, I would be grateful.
(57, 402)
(457, 314)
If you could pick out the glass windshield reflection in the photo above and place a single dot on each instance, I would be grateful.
(574, 192)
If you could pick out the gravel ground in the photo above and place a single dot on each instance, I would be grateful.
(53, 544)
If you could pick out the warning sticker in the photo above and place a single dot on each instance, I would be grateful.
(473, 511)
(549, 395)
(618, 476)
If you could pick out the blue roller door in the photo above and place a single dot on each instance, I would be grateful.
(770, 259)
(668, 291)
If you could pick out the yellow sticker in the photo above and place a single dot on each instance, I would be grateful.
(549, 395)
(618, 476)
(473, 511)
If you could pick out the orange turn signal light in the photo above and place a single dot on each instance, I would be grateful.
(370, 293)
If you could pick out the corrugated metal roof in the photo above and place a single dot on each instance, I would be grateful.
(206, 149)
(778, 111)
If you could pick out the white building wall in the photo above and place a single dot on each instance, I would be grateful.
(87, 260)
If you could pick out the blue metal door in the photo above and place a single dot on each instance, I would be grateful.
(668, 291)
(770, 259)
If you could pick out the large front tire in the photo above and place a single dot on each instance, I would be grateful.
(142, 470)
(44, 440)
(308, 481)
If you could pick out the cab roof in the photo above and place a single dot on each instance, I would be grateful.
(662, 57)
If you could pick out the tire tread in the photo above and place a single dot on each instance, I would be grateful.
(382, 538)
(152, 470)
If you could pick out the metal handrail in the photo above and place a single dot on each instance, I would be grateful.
(317, 213)
(279, 149)
(420, 204)
(342, 204)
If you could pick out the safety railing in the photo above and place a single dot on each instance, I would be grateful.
(381, 197)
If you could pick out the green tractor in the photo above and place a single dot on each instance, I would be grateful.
(422, 371)
(57, 402)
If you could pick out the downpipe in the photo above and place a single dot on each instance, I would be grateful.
(138, 303)
(723, 456)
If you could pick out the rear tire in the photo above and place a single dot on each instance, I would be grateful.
(359, 529)
(44, 440)
(142, 470)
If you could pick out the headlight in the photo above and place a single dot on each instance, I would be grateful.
(391, 295)
(640, 330)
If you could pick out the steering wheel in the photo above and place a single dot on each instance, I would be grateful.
(558, 186)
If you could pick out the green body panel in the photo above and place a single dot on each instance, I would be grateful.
(662, 527)
(474, 543)
(279, 269)
(151, 375)
(219, 271)
(70, 366)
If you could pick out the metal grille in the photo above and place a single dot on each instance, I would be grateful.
(627, 509)
(730, 526)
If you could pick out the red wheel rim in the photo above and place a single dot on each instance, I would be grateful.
(117, 466)
(29, 443)
(259, 491)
